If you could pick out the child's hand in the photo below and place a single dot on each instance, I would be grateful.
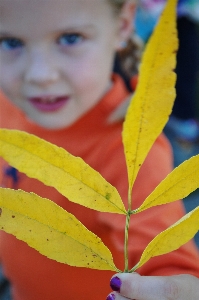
(133, 286)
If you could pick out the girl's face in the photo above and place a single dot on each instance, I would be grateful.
(56, 56)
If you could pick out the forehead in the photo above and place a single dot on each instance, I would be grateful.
(29, 13)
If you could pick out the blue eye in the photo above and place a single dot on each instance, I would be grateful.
(10, 44)
(70, 39)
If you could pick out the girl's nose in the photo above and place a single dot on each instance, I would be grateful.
(41, 70)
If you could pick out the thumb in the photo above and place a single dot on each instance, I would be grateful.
(134, 286)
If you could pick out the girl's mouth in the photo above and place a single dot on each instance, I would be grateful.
(48, 103)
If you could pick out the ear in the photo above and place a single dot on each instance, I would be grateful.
(125, 23)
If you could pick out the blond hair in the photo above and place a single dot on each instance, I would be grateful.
(130, 55)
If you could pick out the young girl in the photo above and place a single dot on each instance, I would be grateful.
(56, 74)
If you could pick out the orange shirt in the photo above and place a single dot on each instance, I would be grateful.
(33, 276)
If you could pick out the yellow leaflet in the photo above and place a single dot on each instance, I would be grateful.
(177, 185)
(172, 238)
(52, 231)
(153, 100)
(55, 167)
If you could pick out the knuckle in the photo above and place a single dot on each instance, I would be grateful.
(171, 290)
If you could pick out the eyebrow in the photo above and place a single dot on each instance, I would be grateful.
(4, 33)
(77, 28)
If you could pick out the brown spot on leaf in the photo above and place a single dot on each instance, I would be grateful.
(0, 211)
(13, 217)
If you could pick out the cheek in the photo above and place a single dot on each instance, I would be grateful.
(5, 79)
(9, 79)
(91, 73)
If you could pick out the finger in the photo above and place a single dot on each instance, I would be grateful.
(115, 296)
(134, 286)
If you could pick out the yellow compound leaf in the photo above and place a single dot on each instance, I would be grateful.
(177, 185)
(172, 238)
(52, 231)
(55, 167)
(152, 102)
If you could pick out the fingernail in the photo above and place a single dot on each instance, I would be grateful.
(111, 297)
(115, 284)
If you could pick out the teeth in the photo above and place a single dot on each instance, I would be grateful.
(48, 99)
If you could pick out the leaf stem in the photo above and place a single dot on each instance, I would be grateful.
(126, 240)
(128, 215)
(129, 199)
(134, 268)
